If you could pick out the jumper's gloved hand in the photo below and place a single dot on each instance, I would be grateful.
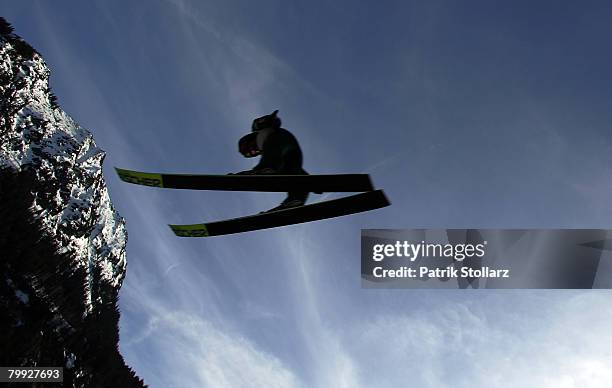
(248, 146)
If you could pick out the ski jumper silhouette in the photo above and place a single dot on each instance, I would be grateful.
(280, 154)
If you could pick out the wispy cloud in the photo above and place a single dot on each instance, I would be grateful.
(561, 343)
(330, 364)
(195, 353)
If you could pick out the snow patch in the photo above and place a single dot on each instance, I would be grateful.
(71, 198)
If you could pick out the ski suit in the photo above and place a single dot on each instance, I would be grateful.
(280, 154)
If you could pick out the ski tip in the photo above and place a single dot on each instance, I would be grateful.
(140, 178)
(123, 174)
(197, 230)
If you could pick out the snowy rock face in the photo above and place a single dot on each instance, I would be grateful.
(62, 245)
(71, 199)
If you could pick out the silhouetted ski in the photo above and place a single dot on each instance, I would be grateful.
(317, 211)
(280, 183)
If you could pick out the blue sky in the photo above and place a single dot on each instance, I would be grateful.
(471, 114)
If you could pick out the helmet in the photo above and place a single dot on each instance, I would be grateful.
(267, 121)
